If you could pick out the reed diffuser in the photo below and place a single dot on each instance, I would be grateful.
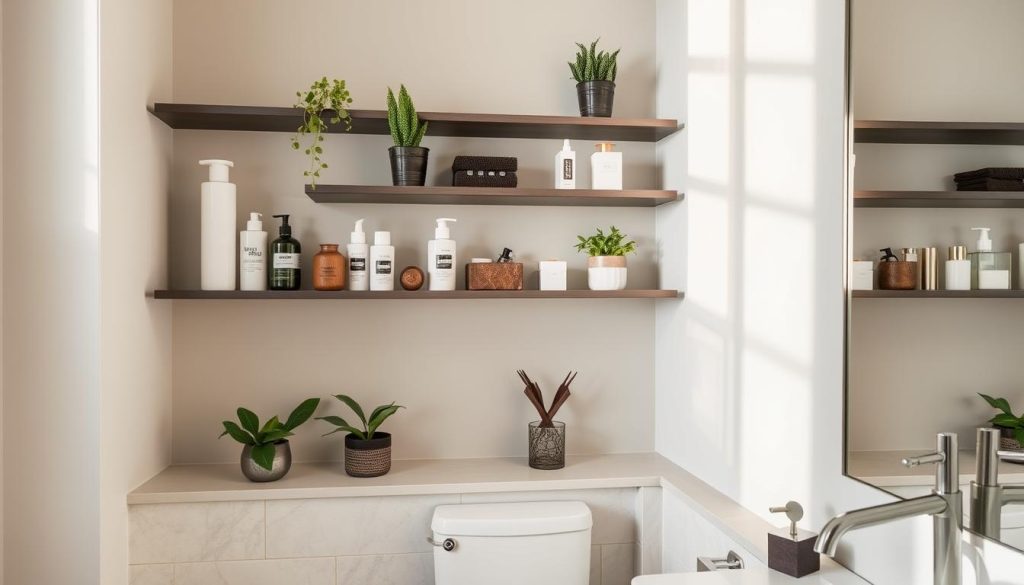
(547, 436)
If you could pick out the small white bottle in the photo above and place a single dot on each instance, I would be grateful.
(358, 273)
(217, 232)
(441, 257)
(252, 254)
(606, 167)
(382, 262)
(565, 167)
(958, 269)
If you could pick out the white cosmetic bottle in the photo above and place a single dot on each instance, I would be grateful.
(958, 269)
(565, 167)
(217, 232)
(358, 273)
(382, 262)
(252, 254)
(606, 167)
(441, 257)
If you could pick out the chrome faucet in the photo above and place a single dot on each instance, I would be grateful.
(987, 496)
(944, 504)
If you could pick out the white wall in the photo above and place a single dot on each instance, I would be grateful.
(135, 370)
(51, 333)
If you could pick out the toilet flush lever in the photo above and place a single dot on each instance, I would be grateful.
(447, 544)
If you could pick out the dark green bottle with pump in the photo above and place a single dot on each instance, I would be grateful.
(285, 259)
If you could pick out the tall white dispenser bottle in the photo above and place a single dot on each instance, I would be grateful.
(441, 257)
(217, 235)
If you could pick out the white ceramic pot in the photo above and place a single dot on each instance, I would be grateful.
(606, 272)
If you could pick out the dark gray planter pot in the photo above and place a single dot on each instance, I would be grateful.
(368, 458)
(596, 98)
(279, 468)
(408, 165)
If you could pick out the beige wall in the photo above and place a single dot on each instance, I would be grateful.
(135, 152)
(932, 60)
(451, 363)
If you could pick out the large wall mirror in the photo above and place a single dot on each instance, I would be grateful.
(923, 74)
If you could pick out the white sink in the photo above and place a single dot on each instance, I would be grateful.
(756, 575)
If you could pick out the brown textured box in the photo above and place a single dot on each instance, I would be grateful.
(897, 275)
(494, 276)
(793, 556)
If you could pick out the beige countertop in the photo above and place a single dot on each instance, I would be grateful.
(883, 469)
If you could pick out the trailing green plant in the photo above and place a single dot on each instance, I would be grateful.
(370, 424)
(1005, 418)
(263, 439)
(323, 99)
(594, 65)
(613, 243)
(406, 127)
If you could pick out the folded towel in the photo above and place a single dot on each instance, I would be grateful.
(486, 163)
(990, 173)
(990, 185)
(484, 179)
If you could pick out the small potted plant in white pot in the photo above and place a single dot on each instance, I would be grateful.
(408, 158)
(266, 454)
(1011, 427)
(594, 72)
(606, 264)
(367, 450)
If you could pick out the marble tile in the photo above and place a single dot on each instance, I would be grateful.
(319, 571)
(351, 526)
(151, 575)
(614, 510)
(177, 533)
(649, 525)
(595, 564)
(407, 569)
(617, 564)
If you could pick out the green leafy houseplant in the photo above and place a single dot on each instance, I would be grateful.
(324, 98)
(1005, 418)
(369, 424)
(406, 127)
(600, 244)
(594, 65)
(263, 439)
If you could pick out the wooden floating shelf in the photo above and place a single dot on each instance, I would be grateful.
(271, 119)
(939, 199)
(488, 196)
(938, 294)
(904, 132)
(414, 295)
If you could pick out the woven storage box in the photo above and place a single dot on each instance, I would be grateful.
(494, 276)
(368, 458)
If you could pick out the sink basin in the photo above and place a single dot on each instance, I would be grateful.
(752, 575)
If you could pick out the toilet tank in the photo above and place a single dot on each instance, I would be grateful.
(535, 543)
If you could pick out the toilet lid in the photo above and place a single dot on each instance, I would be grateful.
(511, 519)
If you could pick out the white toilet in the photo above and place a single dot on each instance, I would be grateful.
(539, 543)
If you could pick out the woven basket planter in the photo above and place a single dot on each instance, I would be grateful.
(1007, 442)
(370, 458)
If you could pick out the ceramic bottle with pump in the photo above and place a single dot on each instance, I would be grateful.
(441, 258)
(382, 262)
(565, 167)
(358, 259)
(252, 254)
(286, 259)
(989, 270)
(217, 233)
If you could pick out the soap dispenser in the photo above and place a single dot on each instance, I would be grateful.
(358, 258)
(791, 550)
(252, 254)
(217, 232)
(441, 258)
(565, 167)
(286, 258)
(989, 270)
(606, 167)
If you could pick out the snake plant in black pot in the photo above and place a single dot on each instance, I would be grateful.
(408, 158)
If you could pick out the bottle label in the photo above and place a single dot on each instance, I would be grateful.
(383, 267)
(567, 169)
(444, 262)
(251, 254)
(357, 264)
(282, 260)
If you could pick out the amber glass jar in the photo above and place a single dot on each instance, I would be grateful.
(329, 268)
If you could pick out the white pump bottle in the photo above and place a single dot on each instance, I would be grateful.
(441, 258)
(252, 254)
(358, 252)
(217, 239)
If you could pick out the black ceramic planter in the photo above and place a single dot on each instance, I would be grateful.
(596, 98)
(408, 165)
(370, 458)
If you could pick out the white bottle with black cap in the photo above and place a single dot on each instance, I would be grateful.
(441, 257)
(358, 252)
(382, 262)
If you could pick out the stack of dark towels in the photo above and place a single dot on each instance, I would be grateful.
(485, 171)
(991, 179)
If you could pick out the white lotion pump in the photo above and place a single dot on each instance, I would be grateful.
(441, 257)
(358, 252)
(217, 234)
(252, 254)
